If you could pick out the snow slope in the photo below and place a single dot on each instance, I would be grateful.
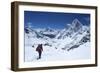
(52, 54)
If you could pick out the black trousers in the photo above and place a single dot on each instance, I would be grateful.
(40, 52)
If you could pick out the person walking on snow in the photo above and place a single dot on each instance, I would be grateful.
(39, 49)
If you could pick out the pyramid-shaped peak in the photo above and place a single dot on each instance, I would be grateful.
(76, 22)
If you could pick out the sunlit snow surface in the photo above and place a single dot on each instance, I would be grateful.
(53, 54)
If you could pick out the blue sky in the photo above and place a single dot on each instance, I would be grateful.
(53, 20)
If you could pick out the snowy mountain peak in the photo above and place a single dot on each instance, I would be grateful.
(48, 29)
(76, 25)
(76, 21)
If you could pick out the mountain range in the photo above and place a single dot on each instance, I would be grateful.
(68, 38)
